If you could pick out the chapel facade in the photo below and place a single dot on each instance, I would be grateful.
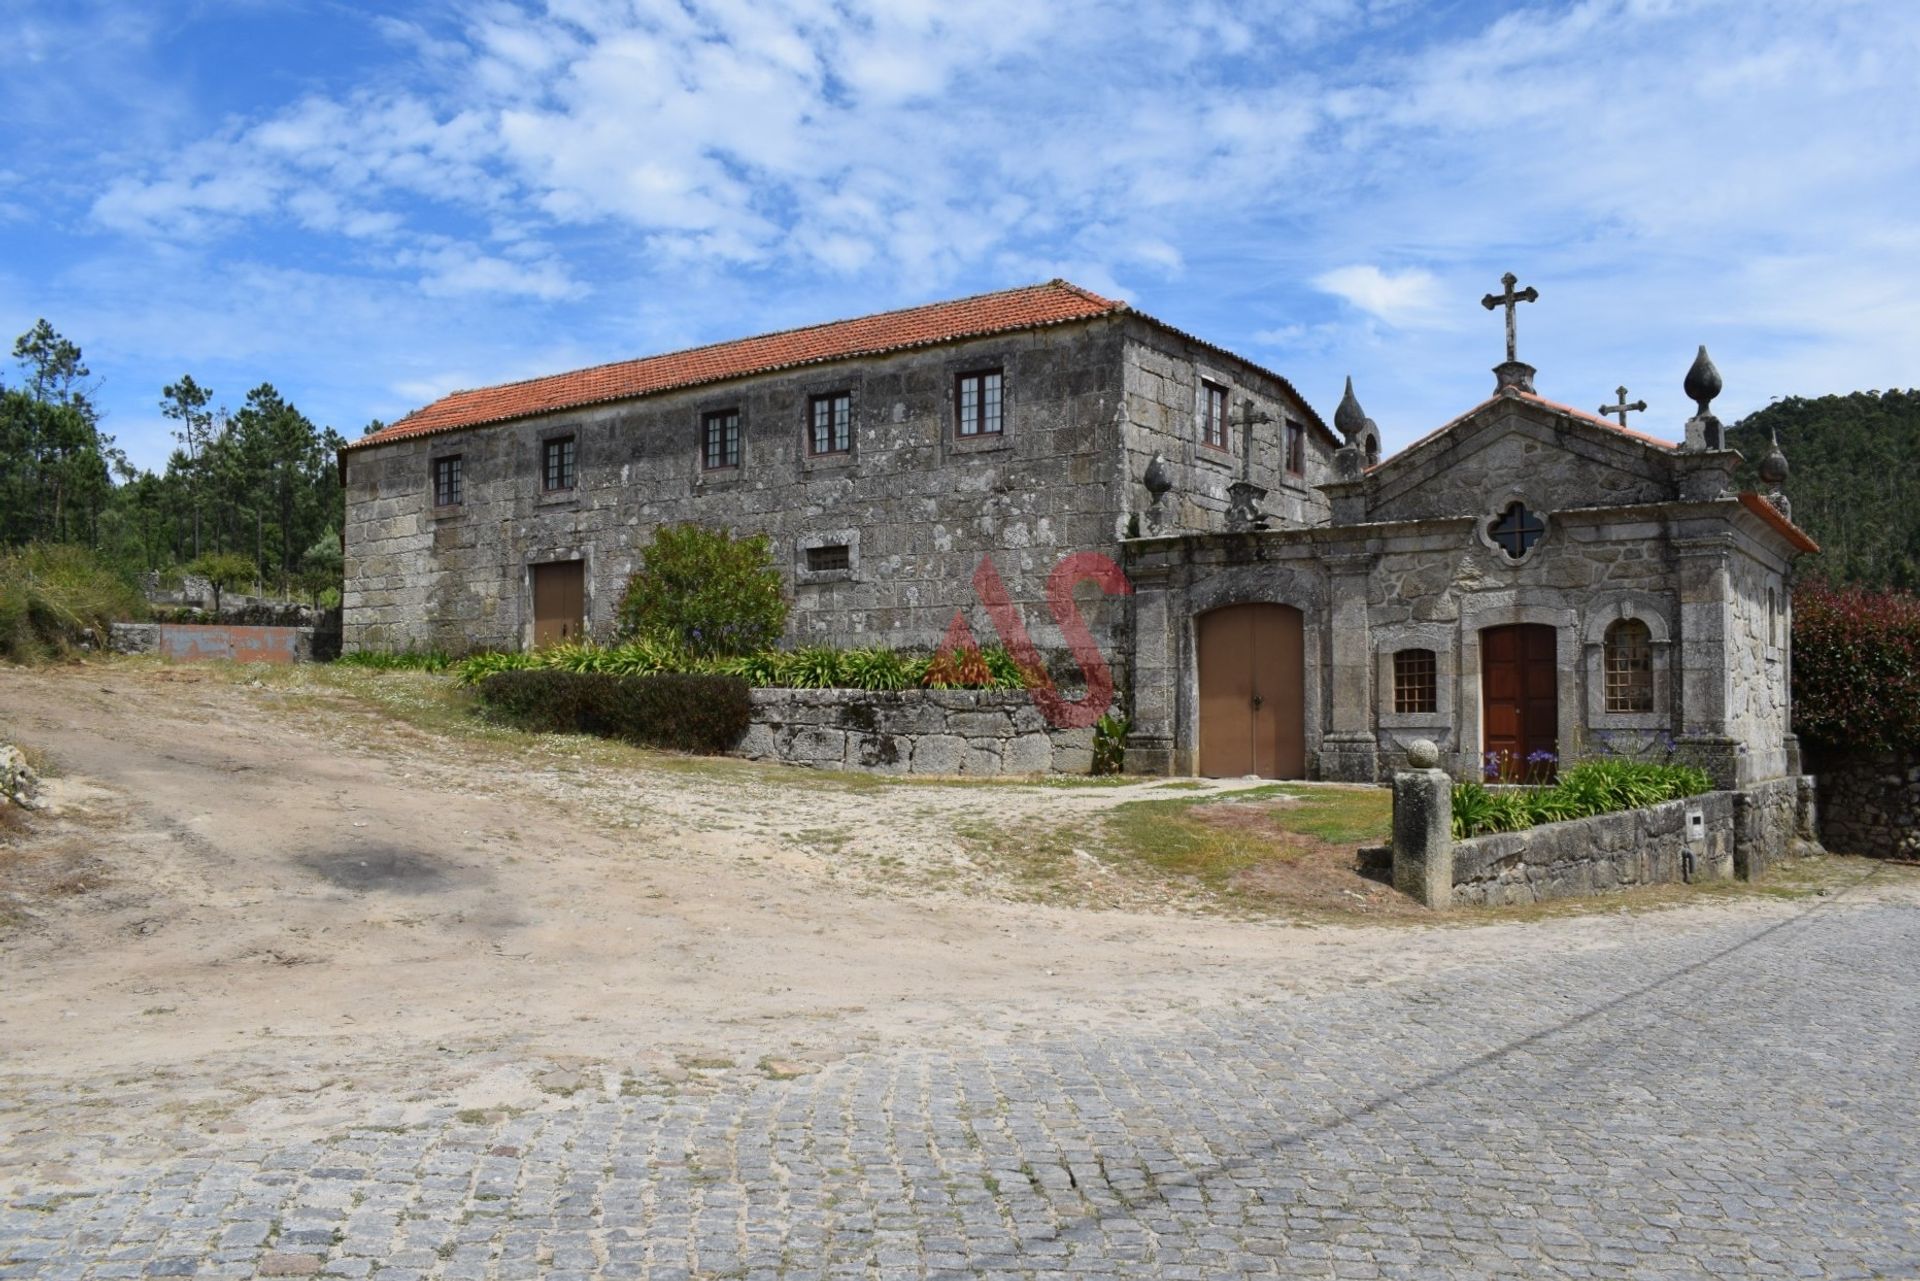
(1528, 583)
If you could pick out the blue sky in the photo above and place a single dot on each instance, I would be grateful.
(369, 205)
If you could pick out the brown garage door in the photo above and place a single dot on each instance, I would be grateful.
(1519, 699)
(559, 602)
(1252, 692)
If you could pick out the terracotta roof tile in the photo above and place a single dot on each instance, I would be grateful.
(1766, 511)
(1031, 307)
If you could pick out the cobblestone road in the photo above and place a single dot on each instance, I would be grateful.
(1739, 1098)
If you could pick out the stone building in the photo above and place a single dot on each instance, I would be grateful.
(887, 457)
(1527, 583)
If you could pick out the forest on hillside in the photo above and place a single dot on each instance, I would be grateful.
(1854, 483)
(254, 487)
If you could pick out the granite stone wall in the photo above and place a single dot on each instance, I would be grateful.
(971, 732)
(1869, 802)
(1739, 833)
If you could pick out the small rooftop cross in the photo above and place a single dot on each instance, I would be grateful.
(1622, 409)
(1508, 300)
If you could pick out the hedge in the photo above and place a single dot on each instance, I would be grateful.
(703, 714)
(1856, 668)
(812, 667)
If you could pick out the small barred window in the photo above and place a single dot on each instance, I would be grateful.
(1414, 681)
(1629, 667)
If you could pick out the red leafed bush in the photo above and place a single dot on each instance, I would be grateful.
(1856, 668)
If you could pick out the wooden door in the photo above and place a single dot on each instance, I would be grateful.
(559, 602)
(1253, 691)
(1519, 699)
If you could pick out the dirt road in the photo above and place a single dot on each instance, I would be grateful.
(279, 904)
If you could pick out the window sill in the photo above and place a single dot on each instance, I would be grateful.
(987, 444)
(1416, 720)
(557, 498)
(1629, 720)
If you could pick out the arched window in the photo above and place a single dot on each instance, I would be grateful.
(1414, 680)
(1628, 667)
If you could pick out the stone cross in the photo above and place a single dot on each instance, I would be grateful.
(1246, 416)
(1622, 409)
(1508, 300)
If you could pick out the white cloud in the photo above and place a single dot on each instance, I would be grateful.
(1410, 297)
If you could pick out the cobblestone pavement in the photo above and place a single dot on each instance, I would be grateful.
(1735, 1098)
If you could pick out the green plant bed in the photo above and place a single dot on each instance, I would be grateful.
(810, 667)
(1589, 788)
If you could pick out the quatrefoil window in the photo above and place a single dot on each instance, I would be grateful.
(1516, 530)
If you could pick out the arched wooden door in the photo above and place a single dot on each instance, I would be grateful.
(1520, 700)
(1253, 692)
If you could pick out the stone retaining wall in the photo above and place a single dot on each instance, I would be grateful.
(1870, 802)
(1715, 836)
(912, 732)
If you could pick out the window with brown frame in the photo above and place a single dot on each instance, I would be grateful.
(1296, 448)
(446, 481)
(720, 439)
(830, 423)
(978, 403)
(1628, 664)
(556, 463)
(1211, 410)
(1415, 681)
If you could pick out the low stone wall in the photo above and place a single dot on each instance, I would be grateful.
(1711, 837)
(197, 642)
(912, 732)
(1870, 802)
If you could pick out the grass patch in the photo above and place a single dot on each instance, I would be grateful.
(1212, 839)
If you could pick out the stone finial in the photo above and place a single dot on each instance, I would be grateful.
(1773, 467)
(1774, 471)
(1349, 418)
(1360, 432)
(1158, 480)
(1423, 753)
(1511, 377)
(1703, 382)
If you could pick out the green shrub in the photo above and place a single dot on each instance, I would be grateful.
(52, 594)
(1856, 668)
(477, 667)
(225, 572)
(706, 592)
(1110, 744)
(403, 660)
(1591, 787)
(879, 669)
(688, 713)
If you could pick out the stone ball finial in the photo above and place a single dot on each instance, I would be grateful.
(1703, 381)
(1773, 467)
(1349, 419)
(1423, 753)
(1159, 477)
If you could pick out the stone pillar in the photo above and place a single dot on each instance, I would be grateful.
(1350, 750)
(1423, 827)
(1156, 673)
(1704, 680)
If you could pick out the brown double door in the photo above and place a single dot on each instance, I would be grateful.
(559, 602)
(1519, 699)
(1252, 692)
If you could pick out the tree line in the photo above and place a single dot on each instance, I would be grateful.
(248, 495)
(1854, 482)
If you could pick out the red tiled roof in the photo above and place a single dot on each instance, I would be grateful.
(1031, 307)
(1766, 511)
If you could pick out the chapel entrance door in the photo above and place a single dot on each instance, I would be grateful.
(1253, 687)
(559, 602)
(1519, 699)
